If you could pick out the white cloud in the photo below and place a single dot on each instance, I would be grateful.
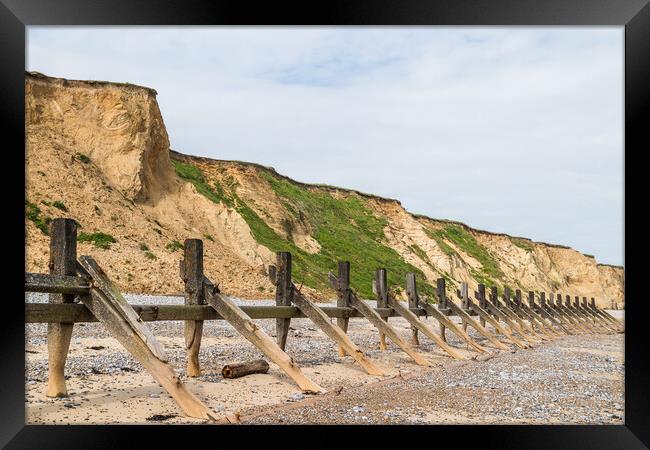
(516, 130)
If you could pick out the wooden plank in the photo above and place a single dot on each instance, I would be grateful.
(382, 300)
(498, 327)
(496, 308)
(474, 324)
(423, 327)
(78, 313)
(412, 295)
(376, 320)
(612, 327)
(445, 322)
(283, 295)
(55, 284)
(415, 302)
(586, 319)
(533, 317)
(343, 297)
(320, 319)
(119, 320)
(546, 311)
(522, 327)
(575, 316)
(192, 275)
(63, 261)
(101, 282)
(227, 308)
(605, 315)
(589, 317)
(543, 314)
(584, 307)
(565, 314)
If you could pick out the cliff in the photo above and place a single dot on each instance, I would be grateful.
(99, 152)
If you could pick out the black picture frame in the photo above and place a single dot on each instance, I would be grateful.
(634, 15)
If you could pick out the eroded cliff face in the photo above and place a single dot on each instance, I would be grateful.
(99, 152)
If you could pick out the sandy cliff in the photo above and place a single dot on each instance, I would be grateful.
(99, 152)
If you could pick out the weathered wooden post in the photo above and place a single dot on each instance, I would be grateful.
(494, 299)
(412, 294)
(343, 297)
(442, 304)
(482, 301)
(191, 268)
(506, 297)
(63, 261)
(283, 295)
(593, 302)
(465, 302)
(382, 300)
(531, 299)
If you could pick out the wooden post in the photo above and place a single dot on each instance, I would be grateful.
(412, 293)
(343, 297)
(506, 297)
(464, 295)
(63, 261)
(482, 301)
(283, 295)
(442, 303)
(494, 298)
(382, 300)
(192, 275)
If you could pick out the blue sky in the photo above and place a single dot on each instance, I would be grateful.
(515, 130)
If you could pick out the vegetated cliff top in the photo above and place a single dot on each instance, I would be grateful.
(327, 187)
(92, 83)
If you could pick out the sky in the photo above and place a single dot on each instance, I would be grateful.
(515, 129)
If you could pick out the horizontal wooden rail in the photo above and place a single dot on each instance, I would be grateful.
(75, 313)
(55, 284)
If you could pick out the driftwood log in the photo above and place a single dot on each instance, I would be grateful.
(245, 368)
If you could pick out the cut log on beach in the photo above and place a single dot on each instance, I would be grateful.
(238, 370)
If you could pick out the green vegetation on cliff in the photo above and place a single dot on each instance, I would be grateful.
(345, 229)
(464, 241)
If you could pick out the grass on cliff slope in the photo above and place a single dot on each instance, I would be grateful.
(523, 244)
(33, 213)
(345, 229)
(463, 239)
(99, 239)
